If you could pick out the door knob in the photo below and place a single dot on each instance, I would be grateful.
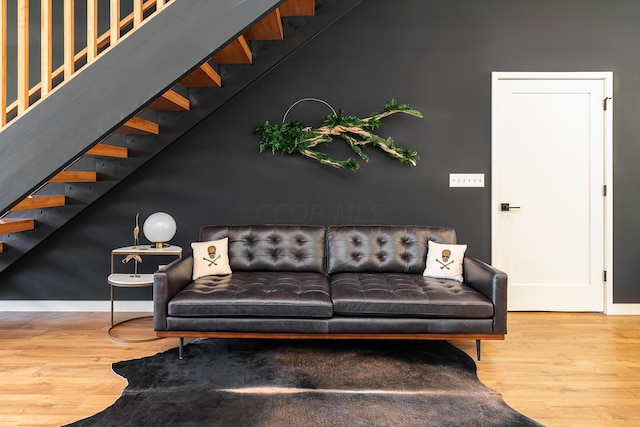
(504, 207)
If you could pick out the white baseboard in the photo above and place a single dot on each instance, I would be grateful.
(623, 309)
(44, 305)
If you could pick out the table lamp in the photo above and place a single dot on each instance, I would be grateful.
(159, 228)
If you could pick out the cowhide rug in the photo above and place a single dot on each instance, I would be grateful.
(306, 383)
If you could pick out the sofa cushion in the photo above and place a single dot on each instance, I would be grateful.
(405, 295)
(210, 258)
(267, 294)
(445, 261)
(272, 247)
(408, 325)
(382, 248)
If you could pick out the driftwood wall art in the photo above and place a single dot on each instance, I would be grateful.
(293, 138)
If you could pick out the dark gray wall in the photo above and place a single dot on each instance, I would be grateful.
(436, 55)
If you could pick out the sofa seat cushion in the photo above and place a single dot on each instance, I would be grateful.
(266, 294)
(406, 295)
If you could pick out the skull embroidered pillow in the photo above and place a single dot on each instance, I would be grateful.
(210, 258)
(444, 261)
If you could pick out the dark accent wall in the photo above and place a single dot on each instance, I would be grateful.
(436, 55)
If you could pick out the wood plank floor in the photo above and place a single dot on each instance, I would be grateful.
(561, 369)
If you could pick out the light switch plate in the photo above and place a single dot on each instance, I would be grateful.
(466, 180)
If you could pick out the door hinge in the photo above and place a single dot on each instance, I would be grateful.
(604, 190)
(604, 276)
(605, 102)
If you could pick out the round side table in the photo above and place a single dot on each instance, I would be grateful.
(126, 280)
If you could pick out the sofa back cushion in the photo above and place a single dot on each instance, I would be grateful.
(382, 248)
(271, 247)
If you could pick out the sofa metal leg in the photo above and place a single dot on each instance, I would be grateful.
(478, 348)
(180, 347)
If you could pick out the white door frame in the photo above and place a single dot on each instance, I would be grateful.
(607, 78)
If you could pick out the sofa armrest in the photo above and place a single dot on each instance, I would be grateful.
(166, 284)
(492, 283)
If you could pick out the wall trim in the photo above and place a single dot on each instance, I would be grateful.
(623, 309)
(76, 306)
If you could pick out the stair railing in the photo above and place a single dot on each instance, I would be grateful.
(73, 60)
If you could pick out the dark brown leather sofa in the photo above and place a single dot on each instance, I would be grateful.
(338, 282)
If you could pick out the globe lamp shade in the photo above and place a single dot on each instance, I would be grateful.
(159, 228)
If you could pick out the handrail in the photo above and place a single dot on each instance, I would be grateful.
(51, 79)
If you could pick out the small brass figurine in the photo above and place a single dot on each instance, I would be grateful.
(137, 259)
(136, 232)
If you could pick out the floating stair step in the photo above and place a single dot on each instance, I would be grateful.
(75, 176)
(170, 101)
(104, 150)
(1, 247)
(269, 28)
(203, 76)
(39, 202)
(298, 8)
(15, 225)
(236, 52)
(138, 126)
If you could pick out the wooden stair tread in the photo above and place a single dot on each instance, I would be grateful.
(75, 176)
(170, 101)
(38, 202)
(269, 28)
(14, 225)
(105, 150)
(298, 8)
(236, 52)
(203, 76)
(138, 126)
(1, 247)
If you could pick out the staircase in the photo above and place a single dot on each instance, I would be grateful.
(40, 192)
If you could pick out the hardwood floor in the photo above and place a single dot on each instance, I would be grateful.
(561, 369)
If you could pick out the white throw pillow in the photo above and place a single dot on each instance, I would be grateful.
(210, 258)
(444, 261)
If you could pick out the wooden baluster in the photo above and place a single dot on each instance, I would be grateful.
(114, 22)
(137, 13)
(3, 62)
(69, 39)
(45, 48)
(23, 55)
(159, 4)
(92, 30)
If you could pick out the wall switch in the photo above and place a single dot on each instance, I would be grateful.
(466, 180)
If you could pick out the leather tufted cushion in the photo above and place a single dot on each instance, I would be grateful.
(405, 295)
(258, 294)
(372, 248)
(271, 247)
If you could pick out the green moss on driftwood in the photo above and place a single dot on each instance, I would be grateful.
(292, 137)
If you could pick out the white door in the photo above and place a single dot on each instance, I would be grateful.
(549, 140)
